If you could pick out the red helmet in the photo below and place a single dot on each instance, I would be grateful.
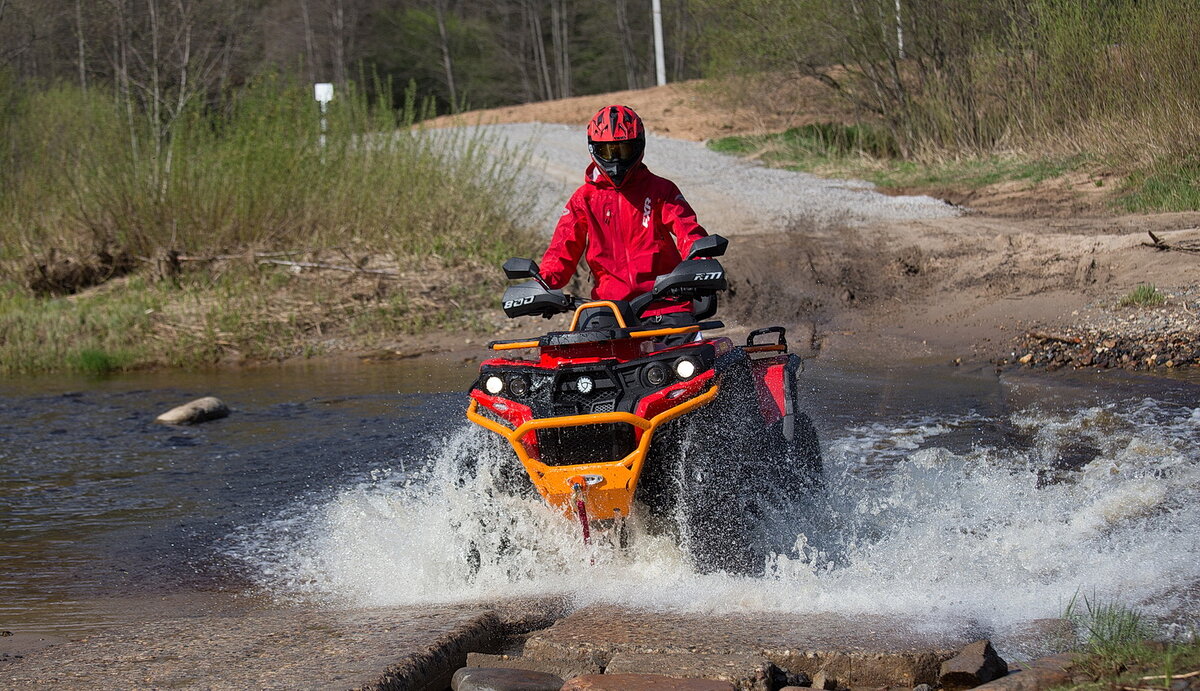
(616, 141)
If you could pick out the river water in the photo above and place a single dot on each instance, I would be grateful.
(955, 495)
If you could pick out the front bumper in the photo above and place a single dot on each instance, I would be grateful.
(608, 486)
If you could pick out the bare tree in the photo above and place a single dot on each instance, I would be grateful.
(439, 7)
(309, 53)
(337, 38)
(560, 35)
(628, 55)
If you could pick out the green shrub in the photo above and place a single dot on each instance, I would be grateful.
(1145, 295)
(251, 172)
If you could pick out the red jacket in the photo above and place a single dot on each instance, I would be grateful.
(631, 235)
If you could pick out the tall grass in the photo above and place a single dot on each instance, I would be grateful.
(1117, 81)
(1110, 632)
(83, 176)
(248, 171)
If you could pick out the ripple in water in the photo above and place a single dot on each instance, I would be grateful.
(1103, 501)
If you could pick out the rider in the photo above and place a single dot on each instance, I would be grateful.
(632, 224)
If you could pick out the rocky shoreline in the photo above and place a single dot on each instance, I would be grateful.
(528, 644)
(1107, 335)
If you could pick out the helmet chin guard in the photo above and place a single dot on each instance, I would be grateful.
(616, 141)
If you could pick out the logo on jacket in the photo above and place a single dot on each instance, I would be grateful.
(646, 213)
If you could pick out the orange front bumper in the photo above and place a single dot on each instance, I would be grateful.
(610, 484)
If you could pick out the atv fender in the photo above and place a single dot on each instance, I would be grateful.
(775, 383)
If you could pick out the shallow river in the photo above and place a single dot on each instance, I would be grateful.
(955, 495)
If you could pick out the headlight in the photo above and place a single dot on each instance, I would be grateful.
(518, 386)
(584, 384)
(494, 385)
(685, 368)
(655, 374)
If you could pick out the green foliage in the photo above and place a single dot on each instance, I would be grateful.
(866, 152)
(79, 175)
(1165, 187)
(1119, 79)
(1118, 650)
(97, 334)
(253, 173)
(98, 362)
(824, 140)
(1106, 630)
(1145, 295)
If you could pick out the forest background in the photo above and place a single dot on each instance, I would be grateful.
(148, 144)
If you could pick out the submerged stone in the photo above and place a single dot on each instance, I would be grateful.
(199, 410)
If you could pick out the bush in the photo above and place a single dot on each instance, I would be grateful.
(250, 172)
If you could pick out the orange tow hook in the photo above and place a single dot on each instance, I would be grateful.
(578, 483)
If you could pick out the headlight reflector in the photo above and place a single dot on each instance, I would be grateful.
(685, 368)
(494, 385)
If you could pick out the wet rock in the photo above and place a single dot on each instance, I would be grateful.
(199, 410)
(503, 679)
(560, 668)
(643, 682)
(860, 652)
(822, 680)
(1040, 674)
(976, 664)
(745, 671)
(864, 668)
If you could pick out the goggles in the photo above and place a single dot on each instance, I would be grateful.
(614, 150)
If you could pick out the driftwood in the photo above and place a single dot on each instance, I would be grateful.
(1161, 246)
(221, 257)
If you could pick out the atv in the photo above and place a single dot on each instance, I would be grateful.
(704, 435)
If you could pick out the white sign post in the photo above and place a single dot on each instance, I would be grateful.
(323, 93)
(660, 65)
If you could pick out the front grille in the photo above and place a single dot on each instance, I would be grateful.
(604, 406)
(585, 444)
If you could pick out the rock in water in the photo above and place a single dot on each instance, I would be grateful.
(977, 664)
(199, 410)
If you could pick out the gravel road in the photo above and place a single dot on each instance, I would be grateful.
(731, 196)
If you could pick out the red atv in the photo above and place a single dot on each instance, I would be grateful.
(607, 422)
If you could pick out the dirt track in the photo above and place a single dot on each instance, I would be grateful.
(870, 276)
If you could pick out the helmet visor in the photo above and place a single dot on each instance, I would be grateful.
(622, 151)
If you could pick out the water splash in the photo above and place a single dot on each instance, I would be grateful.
(913, 527)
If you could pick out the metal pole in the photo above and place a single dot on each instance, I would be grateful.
(660, 64)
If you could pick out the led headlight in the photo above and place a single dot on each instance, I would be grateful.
(494, 385)
(518, 386)
(655, 374)
(685, 368)
(584, 384)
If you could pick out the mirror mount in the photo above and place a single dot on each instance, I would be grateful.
(516, 268)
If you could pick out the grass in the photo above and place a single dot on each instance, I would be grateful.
(1118, 81)
(238, 312)
(1117, 650)
(81, 179)
(864, 152)
(1145, 295)
(1165, 187)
